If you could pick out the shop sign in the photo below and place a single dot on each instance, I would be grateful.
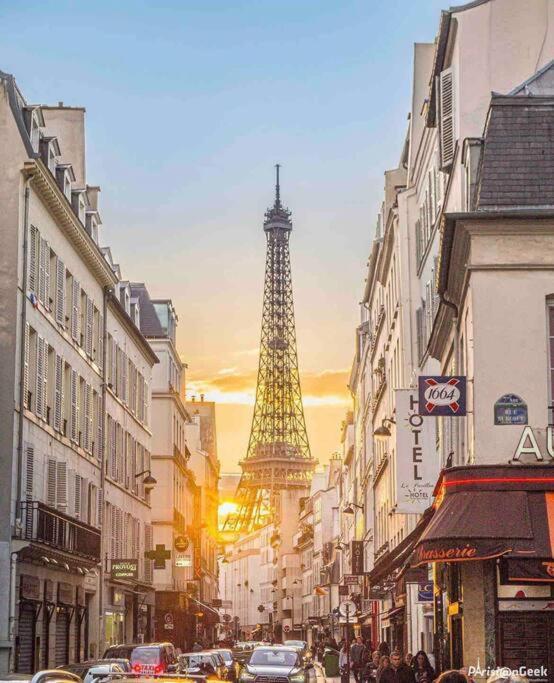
(357, 557)
(181, 543)
(442, 395)
(65, 593)
(168, 621)
(510, 409)
(49, 590)
(351, 580)
(344, 590)
(183, 560)
(528, 444)
(29, 587)
(526, 605)
(425, 592)
(417, 464)
(125, 569)
(526, 570)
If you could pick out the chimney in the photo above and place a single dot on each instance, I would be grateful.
(68, 125)
(93, 191)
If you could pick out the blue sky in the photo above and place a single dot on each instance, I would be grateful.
(189, 105)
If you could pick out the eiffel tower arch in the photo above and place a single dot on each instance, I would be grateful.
(278, 458)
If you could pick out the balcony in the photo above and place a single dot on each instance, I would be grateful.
(43, 524)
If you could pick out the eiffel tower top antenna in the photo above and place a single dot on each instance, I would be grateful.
(277, 187)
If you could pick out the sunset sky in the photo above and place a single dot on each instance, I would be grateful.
(189, 104)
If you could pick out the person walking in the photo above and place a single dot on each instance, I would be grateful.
(423, 671)
(370, 669)
(358, 654)
(384, 663)
(343, 664)
(398, 671)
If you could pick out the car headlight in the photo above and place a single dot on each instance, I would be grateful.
(247, 676)
(297, 678)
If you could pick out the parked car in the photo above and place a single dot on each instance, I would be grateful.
(300, 645)
(155, 658)
(93, 669)
(242, 651)
(120, 651)
(207, 663)
(45, 676)
(277, 663)
(230, 663)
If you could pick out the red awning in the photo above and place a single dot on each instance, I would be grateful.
(483, 512)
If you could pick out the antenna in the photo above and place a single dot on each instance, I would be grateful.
(277, 187)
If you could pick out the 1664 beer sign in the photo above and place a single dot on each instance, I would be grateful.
(441, 395)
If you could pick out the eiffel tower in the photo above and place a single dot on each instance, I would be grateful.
(278, 455)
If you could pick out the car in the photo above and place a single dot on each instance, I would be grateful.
(207, 663)
(154, 658)
(275, 664)
(230, 663)
(300, 645)
(91, 669)
(45, 676)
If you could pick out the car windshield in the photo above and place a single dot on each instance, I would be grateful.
(273, 658)
(226, 656)
(145, 655)
(193, 661)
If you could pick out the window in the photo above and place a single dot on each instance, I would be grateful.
(67, 185)
(35, 132)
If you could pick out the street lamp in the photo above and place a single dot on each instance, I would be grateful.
(349, 509)
(382, 432)
(148, 482)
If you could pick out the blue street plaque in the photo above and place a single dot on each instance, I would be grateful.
(510, 409)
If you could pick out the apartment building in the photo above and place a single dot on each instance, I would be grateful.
(481, 47)
(57, 309)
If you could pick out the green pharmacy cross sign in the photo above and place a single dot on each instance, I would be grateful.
(160, 555)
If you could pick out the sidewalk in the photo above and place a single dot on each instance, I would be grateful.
(321, 678)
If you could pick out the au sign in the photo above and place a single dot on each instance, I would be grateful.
(528, 444)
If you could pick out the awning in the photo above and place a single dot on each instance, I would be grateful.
(398, 556)
(484, 512)
(208, 611)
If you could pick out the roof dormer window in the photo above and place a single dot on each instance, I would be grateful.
(81, 209)
(34, 133)
(92, 225)
(67, 185)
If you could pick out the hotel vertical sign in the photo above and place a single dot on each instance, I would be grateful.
(417, 462)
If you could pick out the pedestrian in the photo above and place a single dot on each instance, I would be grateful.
(424, 672)
(384, 664)
(343, 664)
(333, 643)
(371, 668)
(358, 655)
(398, 671)
(452, 676)
(384, 648)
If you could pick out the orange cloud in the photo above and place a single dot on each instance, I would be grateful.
(233, 386)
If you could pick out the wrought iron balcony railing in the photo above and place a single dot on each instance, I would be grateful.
(42, 524)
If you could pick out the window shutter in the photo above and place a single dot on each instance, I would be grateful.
(29, 472)
(447, 112)
(113, 451)
(39, 399)
(124, 363)
(114, 366)
(77, 499)
(33, 258)
(148, 546)
(25, 388)
(61, 485)
(428, 310)
(60, 292)
(51, 483)
(74, 415)
(100, 509)
(75, 304)
(119, 531)
(42, 270)
(88, 331)
(113, 529)
(100, 342)
(58, 393)
(99, 428)
(86, 416)
(419, 327)
(45, 382)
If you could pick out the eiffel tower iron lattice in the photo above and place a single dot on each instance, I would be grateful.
(278, 455)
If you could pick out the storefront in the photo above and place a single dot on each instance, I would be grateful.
(491, 545)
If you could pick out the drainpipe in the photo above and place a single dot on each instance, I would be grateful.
(18, 492)
(103, 532)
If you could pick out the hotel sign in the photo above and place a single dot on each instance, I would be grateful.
(417, 464)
